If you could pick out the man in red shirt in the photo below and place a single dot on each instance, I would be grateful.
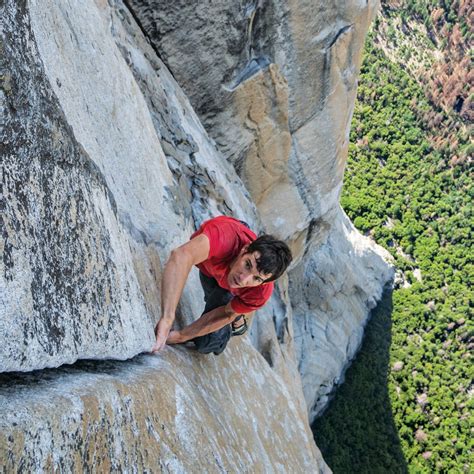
(237, 271)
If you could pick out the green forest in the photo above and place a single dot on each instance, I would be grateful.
(406, 404)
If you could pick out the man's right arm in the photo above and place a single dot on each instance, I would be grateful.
(174, 278)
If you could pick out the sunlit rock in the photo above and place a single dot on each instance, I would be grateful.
(276, 93)
(180, 412)
(106, 169)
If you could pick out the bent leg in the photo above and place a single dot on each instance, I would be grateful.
(214, 296)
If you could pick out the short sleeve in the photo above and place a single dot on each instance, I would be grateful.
(221, 238)
(252, 299)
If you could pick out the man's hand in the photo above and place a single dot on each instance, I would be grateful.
(162, 331)
(176, 272)
(175, 337)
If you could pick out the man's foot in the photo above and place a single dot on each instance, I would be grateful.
(239, 326)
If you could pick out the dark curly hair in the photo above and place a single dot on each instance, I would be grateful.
(275, 256)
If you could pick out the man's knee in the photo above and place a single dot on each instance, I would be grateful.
(218, 297)
(214, 342)
(214, 295)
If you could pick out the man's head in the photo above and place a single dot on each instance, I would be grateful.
(261, 261)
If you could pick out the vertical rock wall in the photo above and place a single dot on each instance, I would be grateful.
(156, 414)
(106, 167)
(274, 84)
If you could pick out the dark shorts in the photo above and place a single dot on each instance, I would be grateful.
(214, 296)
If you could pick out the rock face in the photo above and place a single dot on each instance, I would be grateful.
(157, 414)
(107, 167)
(274, 84)
(331, 299)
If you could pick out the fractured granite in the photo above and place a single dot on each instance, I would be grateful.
(167, 413)
(331, 299)
(66, 263)
(277, 93)
(106, 169)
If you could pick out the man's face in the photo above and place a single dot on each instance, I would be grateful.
(243, 271)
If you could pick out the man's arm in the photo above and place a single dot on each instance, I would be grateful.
(207, 323)
(174, 278)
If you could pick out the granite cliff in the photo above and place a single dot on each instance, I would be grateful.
(126, 125)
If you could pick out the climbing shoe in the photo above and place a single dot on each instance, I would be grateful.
(240, 329)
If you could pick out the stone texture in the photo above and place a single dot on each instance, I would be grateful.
(277, 93)
(261, 104)
(106, 169)
(332, 293)
(305, 54)
(67, 264)
(168, 413)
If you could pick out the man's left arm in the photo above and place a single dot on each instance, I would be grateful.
(209, 322)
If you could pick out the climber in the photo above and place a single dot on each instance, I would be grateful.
(237, 271)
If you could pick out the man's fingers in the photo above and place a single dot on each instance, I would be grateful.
(157, 347)
(162, 330)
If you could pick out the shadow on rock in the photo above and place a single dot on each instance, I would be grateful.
(357, 432)
(9, 381)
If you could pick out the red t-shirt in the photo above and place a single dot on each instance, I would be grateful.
(226, 237)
